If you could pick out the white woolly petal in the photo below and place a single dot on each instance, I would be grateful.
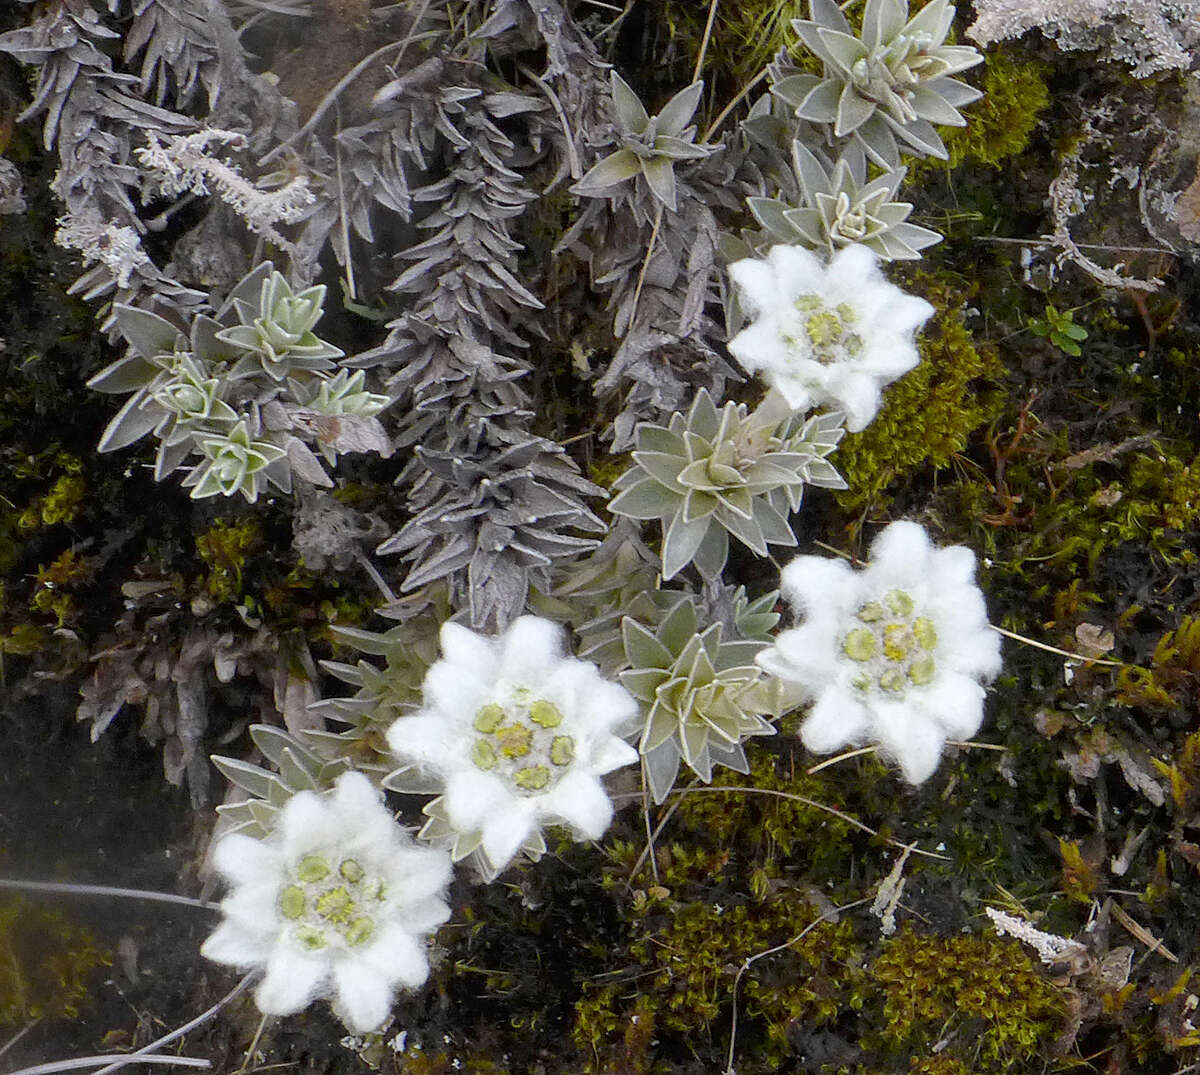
(473, 796)
(852, 270)
(973, 653)
(292, 982)
(529, 650)
(858, 396)
(454, 689)
(804, 655)
(759, 346)
(887, 359)
(956, 703)
(503, 835)
(808, 582)
(231, 944)
(909, 738)
(468, 650)
(364, 995)
(243, 860)
(902, 553)
(426, 916)
(579, 801)
(954, 566)
(906, 313)
(756, 281)
(838, 719)
(610, 753)
(304, 823)
(797, 270)
(397, 955)
(364, 820)
(429, 739)
(416, 873)
(254, 907)
(578, 689)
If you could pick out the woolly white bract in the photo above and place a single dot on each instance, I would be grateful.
(895, 654)
(334, 903)
(826, 335)
(515, 736)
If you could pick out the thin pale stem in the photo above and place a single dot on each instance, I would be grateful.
(840, 757)
(89, 1061)
(1054, 649)
(105, 890)
(637, 293)
(712, 14)
(841, 815)
(329, 98)
(749, 961)
(716, 123)
(178, 1032)
(18, 1035)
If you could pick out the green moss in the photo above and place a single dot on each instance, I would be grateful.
(928, 415)
(224, 548)
(1015, 95)
(985, 988)
(687, 959)
(45, 962)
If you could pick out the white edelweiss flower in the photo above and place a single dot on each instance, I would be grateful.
(826, 335)
(335, 903)
(515, 736)
(895, 654)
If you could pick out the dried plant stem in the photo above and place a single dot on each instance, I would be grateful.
(824, 916)
(840, 814)
(716, 123)
(637, 292)
(840, 757)
(712, 14)
(19, 1035)
(89, 1061)
(140, 1056)
(1054, 649)
(105, 890)
(329, 98)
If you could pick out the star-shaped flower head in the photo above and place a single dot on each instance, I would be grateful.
(840, 208)
(895, 654)
(650, 145)
(335, 902)
(515, 735)
(887, 88)
(826, 335)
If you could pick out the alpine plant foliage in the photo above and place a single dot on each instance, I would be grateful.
(541, 363)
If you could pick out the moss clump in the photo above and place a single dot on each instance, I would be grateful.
(224, 548)
(45, 961)
(929, 414)
(685, 963)
(998, 126)
(986, 987)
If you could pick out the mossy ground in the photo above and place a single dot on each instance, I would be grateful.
(1076, 479)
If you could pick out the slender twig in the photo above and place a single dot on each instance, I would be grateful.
(556, 104)
(712, 127)
(166, 1039)
(824, 916)
(712, 14)
(105, 890)
(19, 1035)
(650, 834)
(89, 1061)
(1054, 649)
(343, 82)
(840, 814)
(637, 291)
(840, 757)
(248, 1058)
